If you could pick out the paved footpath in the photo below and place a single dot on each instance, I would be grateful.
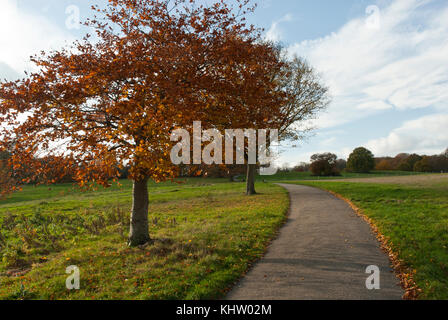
(321, 253)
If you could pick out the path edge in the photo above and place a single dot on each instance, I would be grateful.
(269, 243)
(404, 274)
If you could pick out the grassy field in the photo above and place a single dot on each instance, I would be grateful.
(291, 176)
(414, 217)
(206, 232)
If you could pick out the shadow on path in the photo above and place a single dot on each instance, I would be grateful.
(322, 253)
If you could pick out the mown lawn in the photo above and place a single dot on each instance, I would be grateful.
(206, 234)
(416, 221)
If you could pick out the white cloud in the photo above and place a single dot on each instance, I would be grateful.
(275, 33)
(23, 34)
(403, 64)
(426, 135)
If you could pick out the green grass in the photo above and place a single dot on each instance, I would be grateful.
(291, 176)
(416, 221)
(206, 231)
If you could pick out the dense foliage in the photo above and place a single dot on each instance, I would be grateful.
(414, 162)
(324, 164)
(361, 160)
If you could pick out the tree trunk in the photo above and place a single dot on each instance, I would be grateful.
(139, 233)
(250, 180)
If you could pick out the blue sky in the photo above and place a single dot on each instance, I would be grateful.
(386, 63)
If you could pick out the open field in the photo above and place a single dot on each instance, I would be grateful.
(206, 234)
(290, 176)
(413, 213)
(416, 180)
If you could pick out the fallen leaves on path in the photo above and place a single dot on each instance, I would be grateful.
(403, 272)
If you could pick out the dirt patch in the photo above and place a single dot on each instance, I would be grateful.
(418, 180)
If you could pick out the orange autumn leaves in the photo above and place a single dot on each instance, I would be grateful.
(96, 107)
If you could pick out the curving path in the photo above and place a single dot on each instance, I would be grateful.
(321, 253)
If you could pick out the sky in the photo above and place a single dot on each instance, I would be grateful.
(385, 63)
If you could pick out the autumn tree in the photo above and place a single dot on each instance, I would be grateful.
(384, 165)
(252, 88)
(101, 105)
(305, 96)
(398, 159)
(409, 163)
(423, 165)
(438, 163)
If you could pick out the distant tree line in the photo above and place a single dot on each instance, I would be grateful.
(414, 162)
(362, 160)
